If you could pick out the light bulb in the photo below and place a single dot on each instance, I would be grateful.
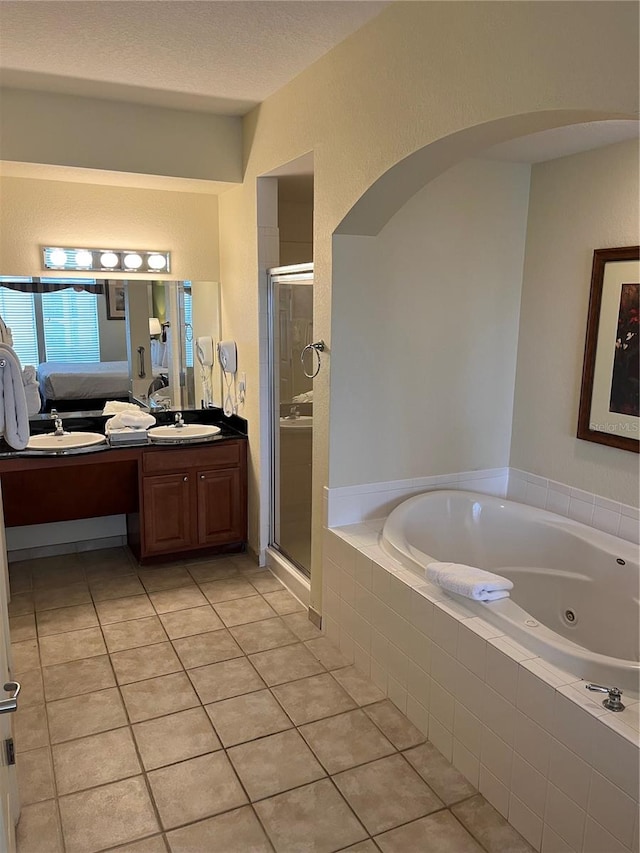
(84, 258)
(109, 259)
(58, 258)
(132, 261)
(157, 262)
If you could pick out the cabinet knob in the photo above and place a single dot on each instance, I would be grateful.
(184, 479)
(202, 476)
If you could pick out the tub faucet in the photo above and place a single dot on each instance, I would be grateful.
(612, 702)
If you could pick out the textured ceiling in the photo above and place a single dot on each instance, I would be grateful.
(223, 56)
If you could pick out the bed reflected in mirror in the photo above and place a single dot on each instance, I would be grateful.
(85, 341)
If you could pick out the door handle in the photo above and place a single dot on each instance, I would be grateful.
(10, 704)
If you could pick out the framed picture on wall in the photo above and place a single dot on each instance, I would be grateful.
(115, 300)
(610, 395)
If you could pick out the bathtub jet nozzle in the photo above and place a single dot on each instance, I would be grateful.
(612, 702)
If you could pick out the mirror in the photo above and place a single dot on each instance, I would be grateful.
(91, 340)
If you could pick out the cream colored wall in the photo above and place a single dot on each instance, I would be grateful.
(578, 204)
(427, 330)
(295, 226)
(66, 130)
(396, 85)
(34, 213)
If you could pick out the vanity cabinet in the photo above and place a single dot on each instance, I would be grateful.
(192, 499)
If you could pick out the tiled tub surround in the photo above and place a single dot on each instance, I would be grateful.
(194, 708)
(352, 504)
(542, 750)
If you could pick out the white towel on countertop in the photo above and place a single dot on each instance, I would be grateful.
(469, 581)
(133, 420)
(14, 416)
(113, 407)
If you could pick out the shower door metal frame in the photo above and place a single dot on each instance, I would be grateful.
(293, 274)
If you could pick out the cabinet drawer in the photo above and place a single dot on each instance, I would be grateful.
(224, 455)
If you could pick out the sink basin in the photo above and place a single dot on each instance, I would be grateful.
(188, 432)
(301, 422)
(69, 441)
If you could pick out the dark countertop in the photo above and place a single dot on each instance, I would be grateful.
(231, 427)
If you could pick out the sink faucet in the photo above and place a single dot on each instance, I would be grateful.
(294, 413)
(178, 419)
(58, 429)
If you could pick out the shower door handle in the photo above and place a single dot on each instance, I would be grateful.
(8, 706)
(141, 368)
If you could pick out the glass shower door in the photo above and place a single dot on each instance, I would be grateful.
(291, 329)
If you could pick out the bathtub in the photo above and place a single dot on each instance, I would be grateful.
(575, 597)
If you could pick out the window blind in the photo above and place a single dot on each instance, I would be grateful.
(18, 312)
(188, 324)
(71, 326)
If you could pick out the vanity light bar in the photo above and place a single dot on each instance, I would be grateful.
(106, 260)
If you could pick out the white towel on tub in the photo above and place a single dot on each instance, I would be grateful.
(469, 581)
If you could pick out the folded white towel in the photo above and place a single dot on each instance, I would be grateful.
(112, 407)
(469, 581)
(14, 416)
(134, 420)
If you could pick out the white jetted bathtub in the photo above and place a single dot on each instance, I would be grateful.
(575, 597)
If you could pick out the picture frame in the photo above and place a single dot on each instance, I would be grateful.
(115, 300)
(609, 401)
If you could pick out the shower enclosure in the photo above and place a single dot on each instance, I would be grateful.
(291, 412)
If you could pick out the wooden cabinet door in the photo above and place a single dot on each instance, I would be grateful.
(220, 511)
(168, 513)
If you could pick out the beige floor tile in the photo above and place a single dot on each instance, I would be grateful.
(363, 847)
(346, 740)
(266, 583)
(283, 602)
(227, 590)
(124, 609)
(205, 572)
(32, 692)
(37, 822)
(103, 817)
(288, 663)
(79, 676)
(394, 725)
(247, 717)
(186, 623)
(327, 653)
(448, 783)
(302, 626)
(195, 789)
(30, 728)
(184, 598)
(238, 831)
(159, 579)
(146, 662)
(156, 697)
(489, 827)
(74, 645)
(120, 586)
(361, 689)
(274, 764)
(224, 680)
(313, 818)
(367, 790)
(312, 698)
(25, 655)
(438, 833)
(65, 619)
(22, 628)
(134, 634)
(65, 596)
(243, 610)
(106, 559)
(35, 776)
(84, 715)
(207, 648)
(264, 635)
(21, 604)
(19, 580)
(95, 760)
(54, 578)
(167, 740)
(147, 845)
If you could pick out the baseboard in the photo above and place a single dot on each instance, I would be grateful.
(295, 581)
(66, 548)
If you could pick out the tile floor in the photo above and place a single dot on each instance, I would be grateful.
(193, 708)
